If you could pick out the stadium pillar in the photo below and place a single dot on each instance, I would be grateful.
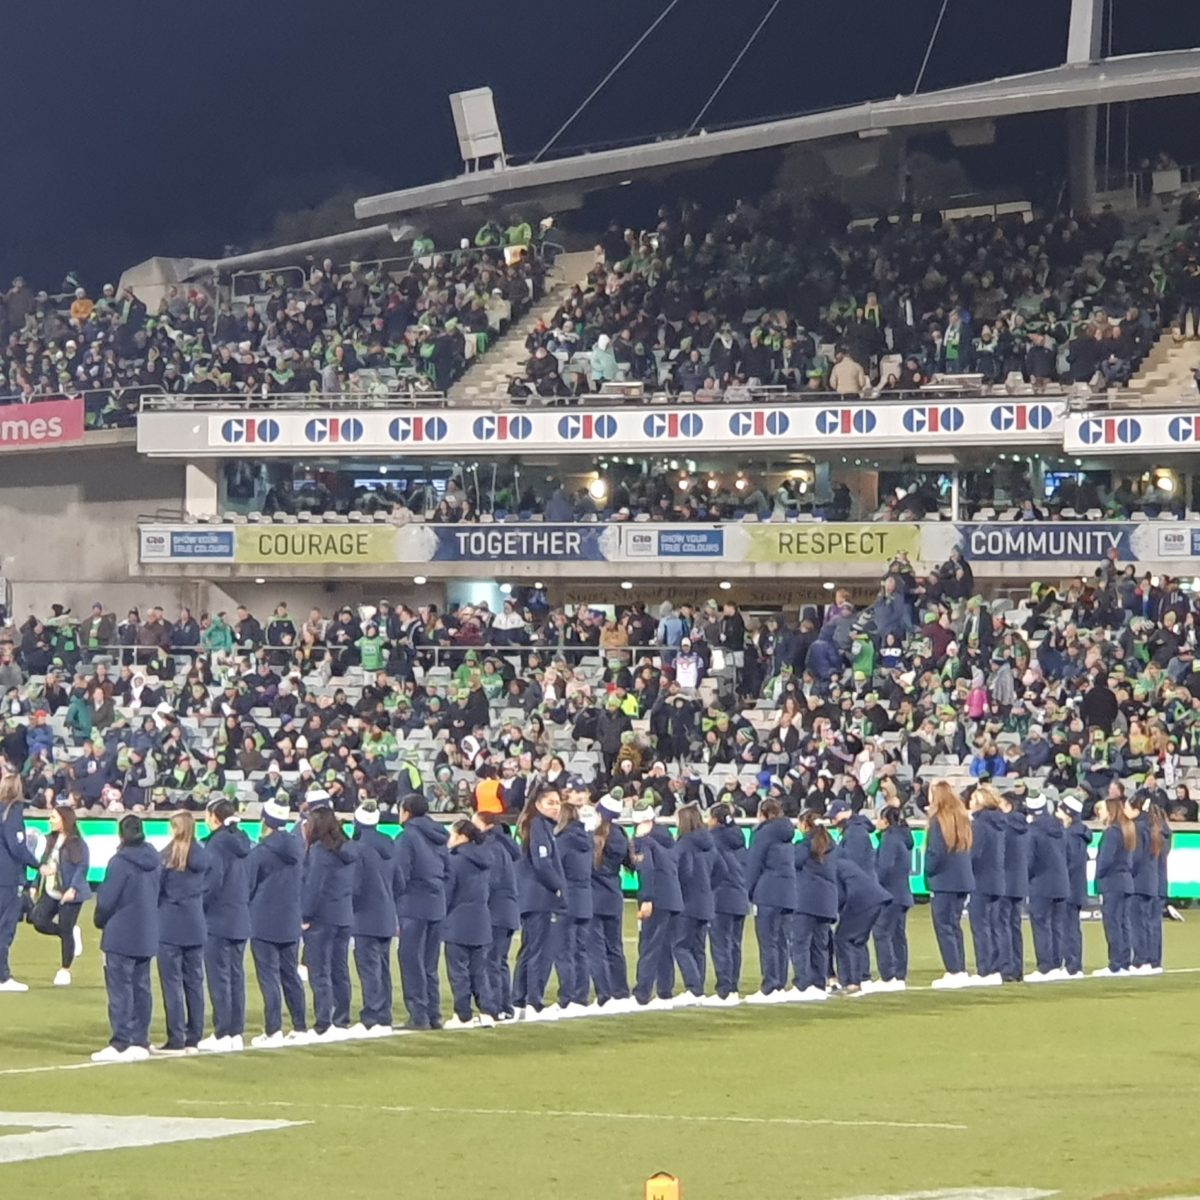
(200, 498)
(1083, 33)
(954, 501)
(1081, 157)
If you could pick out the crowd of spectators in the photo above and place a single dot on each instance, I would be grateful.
(1089, 689)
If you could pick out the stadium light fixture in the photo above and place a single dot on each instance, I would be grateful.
(418, 580)
(626, 585)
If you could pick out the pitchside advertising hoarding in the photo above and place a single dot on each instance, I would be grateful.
(43, 423)
(1183, 865)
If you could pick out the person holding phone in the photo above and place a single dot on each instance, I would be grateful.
(63, 889)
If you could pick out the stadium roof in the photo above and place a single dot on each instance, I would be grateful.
(1113, 80)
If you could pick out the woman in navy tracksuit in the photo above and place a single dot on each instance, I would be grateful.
(610, 852)
(503, 908)
(327, 913)
(1159, 823)
(731, 903)
(893, 865)
(1078, 837)
(127, 912)
(16, 858)
(771, 883)
(575, 853)
(1114, 882)
(1145, 903)
(467, 930)
(1016, 890)
(659, 900)
(64, 888)
(540, 888)
(227, 917)
(949, 878)
(989, 932)
(182, 933)
(276, 871)
(860, 901)
(816, 910)
(1049, 888)
(374, 922)
(696, 859)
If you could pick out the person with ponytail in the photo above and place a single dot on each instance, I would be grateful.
(182, 934)
(989, 930)
(1049, 889)
(63, 889)
(467, 929)
(1114, 882)
(16, 858)
(893, 864)
(731, 903)
(606, 945)
(503, 908)
(227, 916)
(771, 883)
(816, 910)
(575, 853)
(949, 878)
(276, 869)
(1145, 907)
(374, 923)
(1160, 851)
(696, 857)
(541, 888)
(1078, 838)
(659, 899)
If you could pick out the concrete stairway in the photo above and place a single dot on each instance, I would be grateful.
(488, 378)
(1166, 375)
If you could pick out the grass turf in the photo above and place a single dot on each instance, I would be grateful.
(1065, 1087)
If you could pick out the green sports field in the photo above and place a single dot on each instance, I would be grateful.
(1081, 1089)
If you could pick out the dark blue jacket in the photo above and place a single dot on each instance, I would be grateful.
(421, 862)
(658, 874)
(72, 874)
(502, 879)
(816, 883)
(606, 878)
(1145, 869)
(946, 870)
(1114, 864)
(227, 884)
(729, 881)
(987, 851)
(771, 866)
(1078, 838)
(374, 907)
(856, 842)
(858, 890)
(893, 864)
(696, 859)
(1016, 856)
(327, 891)
(181, 901)
(127, 903)
(468, 920)
(276, 870)
(540, 882)
(575, 855)
(1161, 863)
(15, 854)
(1048, 876)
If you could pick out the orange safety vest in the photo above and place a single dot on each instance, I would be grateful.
(487, 796)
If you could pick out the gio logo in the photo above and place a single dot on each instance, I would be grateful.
(1110, 431)
(502, 429)
(845, 421)
(1184, 429)
(250, 431)
(1019, 418)
(417, 429)
(587, 427)
(933, 420)
(672, 425)
(334, 429)
(759, 424)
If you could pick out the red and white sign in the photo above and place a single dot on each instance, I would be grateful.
(43, 423)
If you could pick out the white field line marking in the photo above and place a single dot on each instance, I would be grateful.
(582, 1115)
(87, 1066)
(975, 1193)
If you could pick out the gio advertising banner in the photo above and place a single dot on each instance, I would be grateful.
(1077, 546)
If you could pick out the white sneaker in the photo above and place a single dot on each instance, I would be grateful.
(77, 941)
(268, 1041)
(299, 1037)
(1040, 977)
(485, 1022)
(897, 985)
(574, 1010)
(660, 1004)
(1105, 973)
(215, 1045)
(791, 994)
(380, 1031)
(550, 1013)
(687, 1000)
(721, 1001)
(236, 1044)
(358, 1030)
(777, 997)
(454, 1024)
(12, 985)
(62, 977)
(995, 979)
(952, 981)
(1151, 970)
(758, 998)
(110, 1054)
(1074, 974)
(1058, 973)
(1142, 969)
(135, 1054)
(526, 1013)
(302, 971)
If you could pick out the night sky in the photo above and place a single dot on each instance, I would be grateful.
(131, 129)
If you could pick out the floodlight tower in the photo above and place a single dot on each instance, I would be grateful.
(1083, 49)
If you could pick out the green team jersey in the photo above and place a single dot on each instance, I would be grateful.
(372, 653)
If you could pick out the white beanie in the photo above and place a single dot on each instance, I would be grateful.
(274, 812)
(366, 816)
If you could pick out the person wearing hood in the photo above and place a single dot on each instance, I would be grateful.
(1145, 907)
(893, 863)
(467, 929)
(275, 869)
(503, 909)
(575, 853)
(824, 660)
(1016, 889)
(861, 899)
(1114, 882)
(604, 363)
(327, 914)
(374, 922)
(854, 830)
(1049, 887)
(127, 915)
(659, 900)
(16, 857)
(698, 862)
(227, 915)
(731, 902)
(606, 948)
(182, 933)
(541, 893)
(816, 910)
(771, 884)
(989, 933)
(1078, 838)
(419, 889)
(217, 639)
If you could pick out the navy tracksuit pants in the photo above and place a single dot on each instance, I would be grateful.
(984, 914)
(540, 932)
(946, 909)
(499, 975)
(725, 942)
(771, 929)
(224, 963)
(327, 952)
(654, 963)
(10, 914)
(809, 950)
(687, 938)
(1115, 914)
(891, 942)
(850, 939)
(574, 970)
(275, 968)
(418, 951)
(1010, 940)
(181, 978)
(467, 969)
(1046, 925)
(373, 962)
(606, 959)
(1071, 938)
(127, 981)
